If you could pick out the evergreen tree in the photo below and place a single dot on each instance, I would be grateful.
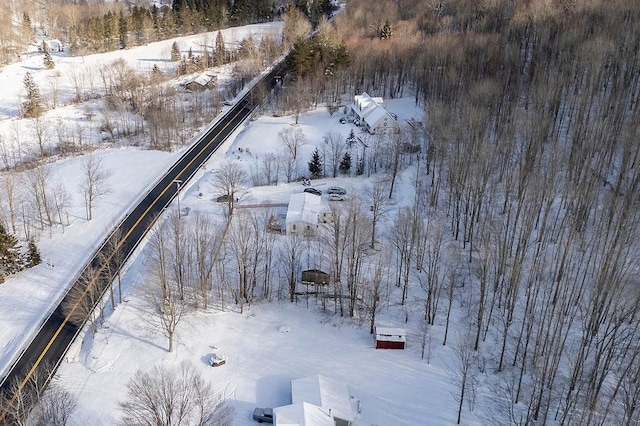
(122, 30)
(345, 164)
(386, 31)
(221, 53)
(175, 52)
(155, 18)
(109, 28)
(315, 165)
(183, 67)
(48, 61)
(33, 254)
(360, 167)
(33, 104)
(351, 139)
(10, 259)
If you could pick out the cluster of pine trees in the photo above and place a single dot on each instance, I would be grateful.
(114, 25)
(13, 258)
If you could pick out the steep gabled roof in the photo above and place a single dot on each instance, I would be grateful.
(379, 114)
(304, 207)
(324, 392)
(364, 104)
(302, 414)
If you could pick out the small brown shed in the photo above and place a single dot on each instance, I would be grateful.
(390, 338)
(315, 277)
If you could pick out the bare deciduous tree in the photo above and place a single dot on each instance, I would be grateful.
(206, 239)
(9, 184)
(171, 304)
(290, 257)
(81, 301)
(373, 288)
(228, 179)
(56, 406)
(37, 180)
(37, 400)
(172, 397)
(379, 203)
(465, 375)
(95, 184)
(334, 146)
(292, 139)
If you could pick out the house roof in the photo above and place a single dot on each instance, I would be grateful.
(379, 114)
(364, 104)
(302, 414)
(202, 79)
(324, 392)
(391, 334)
(304, 207)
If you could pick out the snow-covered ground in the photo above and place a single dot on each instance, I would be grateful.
(25, 297)
(394, 387)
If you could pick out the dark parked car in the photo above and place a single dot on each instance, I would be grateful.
(313, 191)
(263, 415)
(343, 120)
(336, 190)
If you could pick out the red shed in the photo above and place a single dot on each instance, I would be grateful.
(390, 338)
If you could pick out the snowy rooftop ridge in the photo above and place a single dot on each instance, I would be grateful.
(304, 207)
(329, 394)
(302, 414)
(365, 104)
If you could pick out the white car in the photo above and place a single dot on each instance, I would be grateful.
(336, 197)
(336, 190)
(217, 360)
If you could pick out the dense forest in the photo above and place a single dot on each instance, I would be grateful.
(90, 26)
(531, 169)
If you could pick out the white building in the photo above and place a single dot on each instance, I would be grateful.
(330, 395)
(369, 113)
(302, 414)
(303, 214)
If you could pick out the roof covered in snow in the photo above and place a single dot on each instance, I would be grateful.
(391, 334)
(324, 392)
(302, 414)
(364, 104)
(378, 116)
(304, 207)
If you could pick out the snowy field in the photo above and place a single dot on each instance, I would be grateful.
(132, 171)
(393, 387)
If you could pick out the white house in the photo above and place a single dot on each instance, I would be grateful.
(330, 395)
(380, 121)
(362, 106)
(303, 213)
(369, 112)
(302, 414)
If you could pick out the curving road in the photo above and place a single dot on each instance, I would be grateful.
(57, 333)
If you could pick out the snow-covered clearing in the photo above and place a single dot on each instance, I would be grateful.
(394, 387)
(65, 249)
